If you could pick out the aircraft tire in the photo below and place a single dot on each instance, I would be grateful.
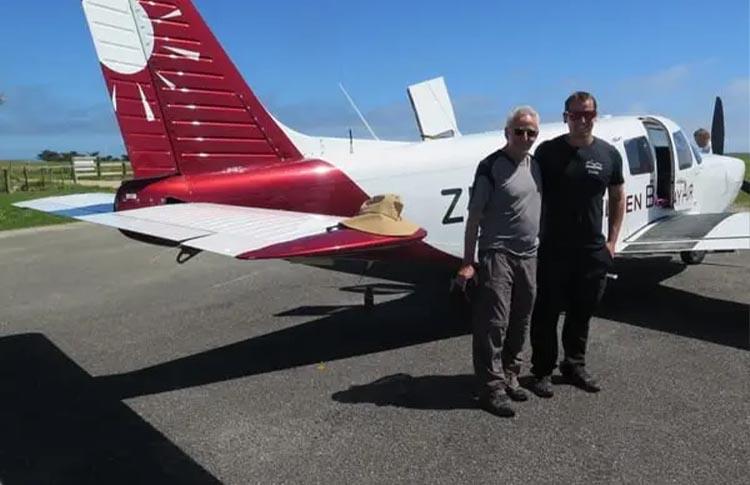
(692, 257)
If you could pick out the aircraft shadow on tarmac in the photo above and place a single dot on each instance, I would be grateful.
(58, 426)
(636, 299)
(343, 332)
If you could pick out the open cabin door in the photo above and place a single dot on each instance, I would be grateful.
(661, 143)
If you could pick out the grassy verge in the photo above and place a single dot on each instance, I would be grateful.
(743, 199)
(15, 218)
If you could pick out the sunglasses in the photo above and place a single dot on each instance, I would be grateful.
(581, 115)
(525, 131)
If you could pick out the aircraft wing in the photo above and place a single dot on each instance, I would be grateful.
(240, 232)
(691, 232)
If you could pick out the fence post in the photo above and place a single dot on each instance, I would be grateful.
(6, 177)
(98, 169)
(124, 170)
(73, 170)
(25, 178)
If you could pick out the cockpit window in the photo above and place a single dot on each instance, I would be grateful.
(640, 158)
(684, 153)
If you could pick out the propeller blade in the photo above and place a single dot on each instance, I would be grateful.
(717, 128)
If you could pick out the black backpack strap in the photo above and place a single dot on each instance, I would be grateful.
(484, 169)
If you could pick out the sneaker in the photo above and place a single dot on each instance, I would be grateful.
(497, 403)
(513, 388)
(542, 386)
(578, 376)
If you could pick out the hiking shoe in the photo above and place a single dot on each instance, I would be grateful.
(542, 386)
(578, 376)
(513, 388)
(497, 403)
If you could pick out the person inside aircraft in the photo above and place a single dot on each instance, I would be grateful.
(703, 140)
(574, 257)
(505, 207)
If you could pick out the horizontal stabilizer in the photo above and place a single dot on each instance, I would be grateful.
(75, 206)
(691, 232)
(243, 232)
(433, 109)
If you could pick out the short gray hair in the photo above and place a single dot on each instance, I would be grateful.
(519, 111)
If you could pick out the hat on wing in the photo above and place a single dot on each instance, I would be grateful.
(382, 215)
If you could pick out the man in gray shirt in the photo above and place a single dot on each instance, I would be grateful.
(505, 208)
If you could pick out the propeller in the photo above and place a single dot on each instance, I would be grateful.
(717, 136)
(717, 128)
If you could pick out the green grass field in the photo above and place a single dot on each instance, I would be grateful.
(15, 218)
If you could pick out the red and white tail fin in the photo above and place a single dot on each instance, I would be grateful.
(181, 104)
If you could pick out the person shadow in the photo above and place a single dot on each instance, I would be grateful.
(438, 392)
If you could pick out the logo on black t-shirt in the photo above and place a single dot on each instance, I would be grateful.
(593, 168)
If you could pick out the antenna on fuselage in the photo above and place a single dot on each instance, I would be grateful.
(359, 113)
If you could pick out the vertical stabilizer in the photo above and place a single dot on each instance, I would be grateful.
(433, 109)
(181, 104)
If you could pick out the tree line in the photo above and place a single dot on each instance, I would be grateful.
(53, 156)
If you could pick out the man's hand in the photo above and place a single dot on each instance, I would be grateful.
(611, 248)
(465, 274)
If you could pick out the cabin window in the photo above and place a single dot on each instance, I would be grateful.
(696, 153)
(684, 154)
(640, 158)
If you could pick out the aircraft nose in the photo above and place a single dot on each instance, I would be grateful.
(735, 170)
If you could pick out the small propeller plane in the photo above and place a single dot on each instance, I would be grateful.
(215, 171)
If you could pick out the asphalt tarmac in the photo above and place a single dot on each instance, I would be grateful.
(118, 365)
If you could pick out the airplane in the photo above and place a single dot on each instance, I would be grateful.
(215, 171)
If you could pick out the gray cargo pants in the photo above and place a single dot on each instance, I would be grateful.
(502, 310)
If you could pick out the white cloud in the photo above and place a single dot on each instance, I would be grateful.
(738, 90)
(666, 78)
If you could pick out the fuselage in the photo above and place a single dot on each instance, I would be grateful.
(663, 175)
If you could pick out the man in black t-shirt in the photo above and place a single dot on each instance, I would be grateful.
(574, 256)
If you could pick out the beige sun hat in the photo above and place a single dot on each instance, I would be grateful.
(382, 215)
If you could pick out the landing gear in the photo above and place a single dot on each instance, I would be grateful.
(692, 257)
(369, 298)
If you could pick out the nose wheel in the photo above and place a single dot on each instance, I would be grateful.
(692, 257)
(369, 298)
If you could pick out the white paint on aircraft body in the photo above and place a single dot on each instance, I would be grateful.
(192, 55)
(146, 106)
(420, 171)
(122, 32)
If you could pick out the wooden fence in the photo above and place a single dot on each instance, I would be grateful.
(29, 176)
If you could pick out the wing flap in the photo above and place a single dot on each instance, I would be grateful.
(692, 232)
(339, 242)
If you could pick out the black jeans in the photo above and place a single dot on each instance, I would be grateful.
(573, 281)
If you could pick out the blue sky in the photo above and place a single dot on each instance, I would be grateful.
(670, 58)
